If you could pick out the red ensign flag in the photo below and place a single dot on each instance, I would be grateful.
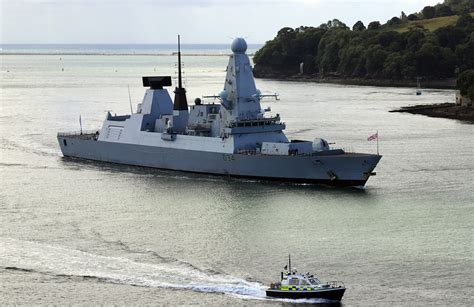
(373, 137)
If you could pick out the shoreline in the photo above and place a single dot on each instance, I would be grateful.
(111, 54)
(441, 110)
(433, 84)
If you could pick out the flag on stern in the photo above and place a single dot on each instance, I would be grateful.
(373, 137)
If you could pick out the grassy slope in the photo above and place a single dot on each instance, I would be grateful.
(429, 24)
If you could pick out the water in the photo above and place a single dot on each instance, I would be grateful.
(85, 232)
(119, 49)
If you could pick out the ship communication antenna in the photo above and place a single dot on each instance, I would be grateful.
(80, 122)
(180, 102)
(378, 143)
(289, 263)
(130, 99)
(180, 81)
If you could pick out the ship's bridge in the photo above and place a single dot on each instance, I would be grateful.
(265, 124)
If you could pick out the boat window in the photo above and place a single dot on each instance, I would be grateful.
(314, 281)
(294, 281)
(65, 143)
(304, 282)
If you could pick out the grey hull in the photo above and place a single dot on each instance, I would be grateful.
(347, 169)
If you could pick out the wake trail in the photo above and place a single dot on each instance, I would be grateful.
(30, 256)
(34, 257)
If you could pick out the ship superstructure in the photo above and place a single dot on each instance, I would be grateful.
(233, 137)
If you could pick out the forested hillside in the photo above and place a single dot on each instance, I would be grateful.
(401, 49)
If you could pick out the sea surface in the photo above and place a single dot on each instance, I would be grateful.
(97, 233)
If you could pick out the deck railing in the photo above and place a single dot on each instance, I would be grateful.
(78, 133)
(336, 284)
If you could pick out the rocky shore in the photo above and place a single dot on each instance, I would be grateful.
(442, 110)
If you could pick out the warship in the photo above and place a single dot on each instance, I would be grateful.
(231, 136)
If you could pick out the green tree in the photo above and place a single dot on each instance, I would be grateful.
(328, 49)
(358, 26)
(393, 65)
(374, 25)
(428, 12)
(465, 54)
(460, 6)
(465, 83)
(443, 10)
(336, 23)
(414, 39)
(428, 59)
(394, 21)
(465, 20)
(450, 36)
(375, 58)
(350, 59)
(387, 38)
(376, 53)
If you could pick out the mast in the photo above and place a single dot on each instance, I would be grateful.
(180, 101)
(180, 82)
(289, 263)
(377, 143)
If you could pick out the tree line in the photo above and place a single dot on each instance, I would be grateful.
(375, 51)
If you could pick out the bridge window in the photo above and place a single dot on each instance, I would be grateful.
(294, 282)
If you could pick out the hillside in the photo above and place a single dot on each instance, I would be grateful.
(436, 44)
(429, 24)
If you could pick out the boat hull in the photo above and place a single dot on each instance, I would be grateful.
(333, 294)
(336, 170)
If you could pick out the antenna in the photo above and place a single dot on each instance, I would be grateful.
(180, 82)
(130, 99)
(80, 122)
(180, 102)
(289, 263)
(377, 142)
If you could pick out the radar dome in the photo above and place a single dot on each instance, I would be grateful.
(239, 45)
(223, 95)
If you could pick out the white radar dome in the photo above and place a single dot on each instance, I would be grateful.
(223, 95)
(239, 45)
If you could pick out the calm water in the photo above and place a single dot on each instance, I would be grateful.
(116, 49)
(82, 232)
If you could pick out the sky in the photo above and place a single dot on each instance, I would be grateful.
(198, 21)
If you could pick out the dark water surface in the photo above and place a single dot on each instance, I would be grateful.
(85, 232)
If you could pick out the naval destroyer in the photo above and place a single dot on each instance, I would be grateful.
(233, 137)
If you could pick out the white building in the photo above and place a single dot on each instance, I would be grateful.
(463, 100)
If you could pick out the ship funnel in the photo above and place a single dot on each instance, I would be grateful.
(180, 101)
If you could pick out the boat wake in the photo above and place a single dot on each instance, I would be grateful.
(29, 144)
(34, 257)
(27, 256)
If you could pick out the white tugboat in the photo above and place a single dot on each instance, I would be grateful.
(233, 137)
(298, 286)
